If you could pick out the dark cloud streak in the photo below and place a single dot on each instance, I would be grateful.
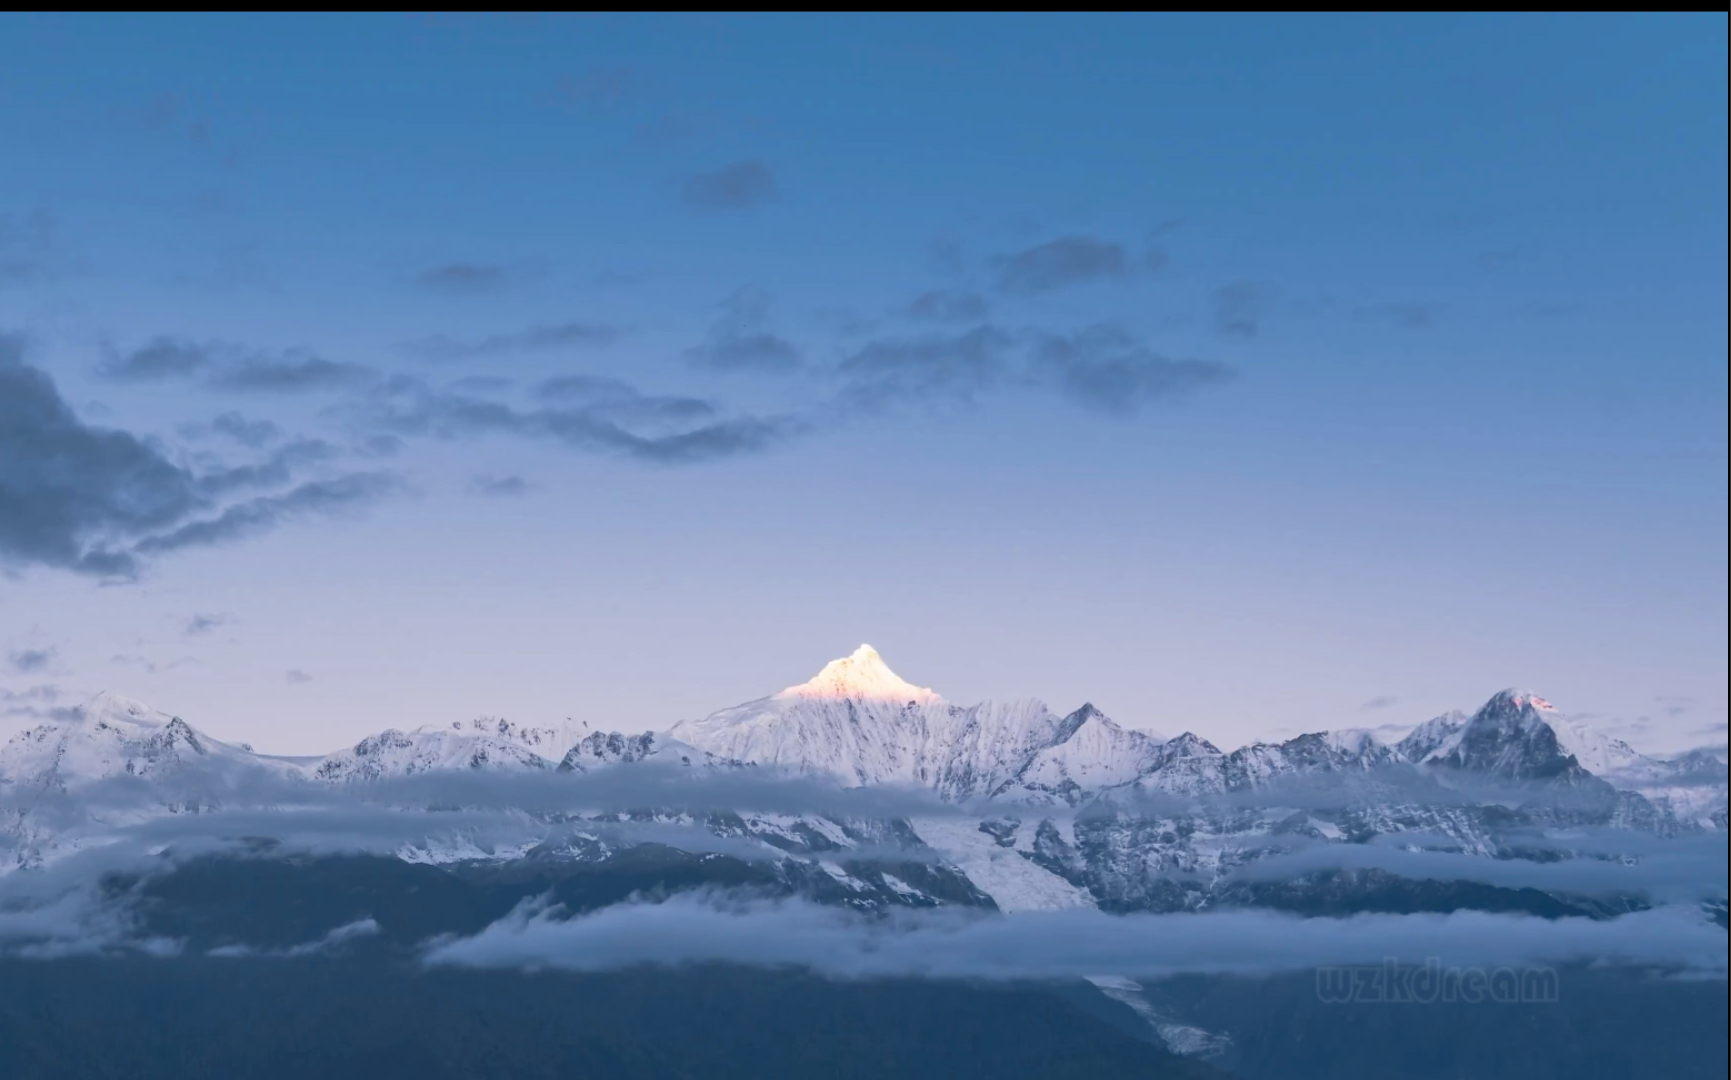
(1240, 306)
(941, 305)
(741, 185)
(92, 500)
(234, 368)
(462, 278)
(583, 335)
(1102, 368)
(1061, 263)
(740, 340)
(264, 512)
(602, 422)
(27, 661)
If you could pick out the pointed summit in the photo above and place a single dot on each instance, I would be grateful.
(1515, 699)
(860, 675)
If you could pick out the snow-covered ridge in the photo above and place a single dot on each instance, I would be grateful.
(857, 723)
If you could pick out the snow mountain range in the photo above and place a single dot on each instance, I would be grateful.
(1055, 809)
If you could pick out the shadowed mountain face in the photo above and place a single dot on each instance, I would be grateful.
(358, 1017)
(289, 1019)
(1605, 1024)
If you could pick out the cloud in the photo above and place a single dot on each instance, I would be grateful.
(1673, 705)
(1061, 263)
(740, 341)
(959, 366)
(498, 487)
(1684, 870)
(163, 358)
(458, 278)
(26, 661)
(623, 403)
(603, 88)
(276, 469)
(36, 703)
(264, 512)
(1103, 368)
(330, 942)
(738, 186)
(942, 305)
(26, 246)
(71, 495)
(745, 352)
(73, 923)
(945, 255)
(230, 367)
(1413, 316)
(607, 416)
(709, 928)
(204, 624)
(295, 676)
(1382, 701)
(1240, 306)
(92, 500)
(253, 433)
(585, 335)
(288, 373)
(1108, 370)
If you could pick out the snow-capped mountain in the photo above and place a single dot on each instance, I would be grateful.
(859, 723)
(483, 743)
(112, 736)
(603, 748)
(1511, 738)
(1066, 809)
(47, 773)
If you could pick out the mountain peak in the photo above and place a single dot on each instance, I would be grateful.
(862, 674)
(1515, 698)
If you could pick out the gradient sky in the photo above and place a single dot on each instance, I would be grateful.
(1245, 375)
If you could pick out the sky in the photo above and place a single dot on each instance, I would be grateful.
(1246, 375)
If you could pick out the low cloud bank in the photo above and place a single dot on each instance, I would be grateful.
(705, 928)
(1683, 870)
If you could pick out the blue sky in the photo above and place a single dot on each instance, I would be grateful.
(1247, 375)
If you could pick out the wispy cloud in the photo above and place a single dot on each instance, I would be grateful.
(1240, 307)
(740, 185)
(565, 335)
(30, 661)
(27, 246)
(498, 487)
(949, 306)
(253, 433)
(604, 415)
(601, 88)
(741, 341)
(264, 512)
(224, 366)
(201, 624)
(1109, 370)
(463, 277)
(1062, 263)
(1410, 314)
(1103, 368)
